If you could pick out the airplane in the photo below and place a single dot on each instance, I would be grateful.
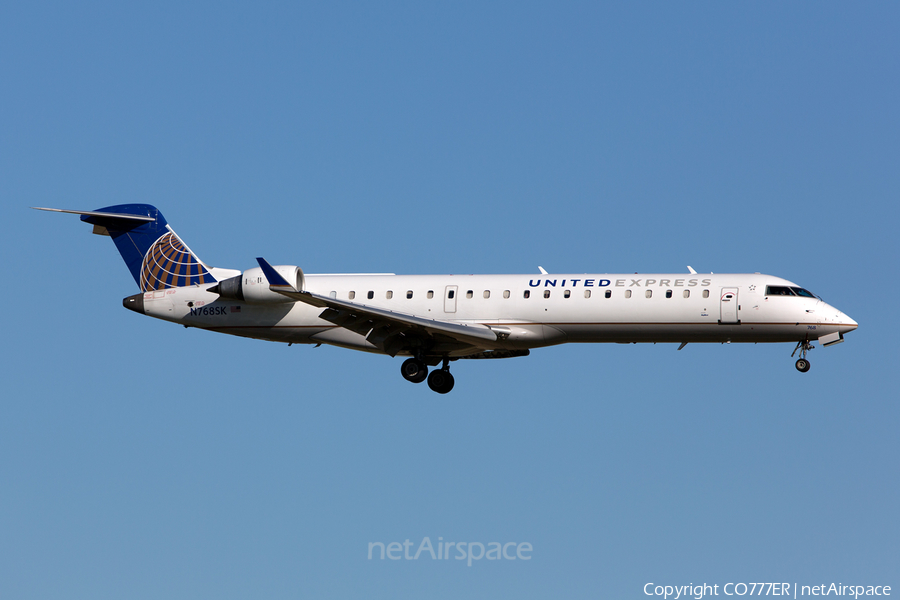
(437, 319)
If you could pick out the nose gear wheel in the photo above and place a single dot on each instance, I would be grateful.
(802, 363)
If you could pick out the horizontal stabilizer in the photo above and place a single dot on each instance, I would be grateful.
(103, 215)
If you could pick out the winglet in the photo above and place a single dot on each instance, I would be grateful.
(277, 283)
(543, 272)
(691, 269)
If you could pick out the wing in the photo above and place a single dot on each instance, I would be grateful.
(390, 331)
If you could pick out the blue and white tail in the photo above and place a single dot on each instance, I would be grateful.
(157, 258)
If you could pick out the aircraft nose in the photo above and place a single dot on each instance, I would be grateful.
(844, 321)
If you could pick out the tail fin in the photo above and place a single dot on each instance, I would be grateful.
(157, 258)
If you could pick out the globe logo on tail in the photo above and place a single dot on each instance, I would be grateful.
(169, 263)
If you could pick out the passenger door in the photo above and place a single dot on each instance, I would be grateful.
(728, 306)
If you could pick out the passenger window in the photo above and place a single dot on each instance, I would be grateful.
(608, 294)
(706, 293)
(668, 293)
(333, 295)
(506, 293)
(686, 293)
(451, 293)
(469, 294)
(567, 294)
(371, 294)
(487, 294)
(527, 294)
(648, 294)
(389, 294)
(587, 293)
(628, 293)
(351, 295)
(409, 294)
(430, 294)
(546, 293)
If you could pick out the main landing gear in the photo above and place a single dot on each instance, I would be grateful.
(802, 364)
(414, 370)
(440, 380)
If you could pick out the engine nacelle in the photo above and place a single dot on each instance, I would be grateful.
(252, 287)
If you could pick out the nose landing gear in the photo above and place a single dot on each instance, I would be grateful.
(802, 364)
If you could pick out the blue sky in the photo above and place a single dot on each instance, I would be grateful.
(142, 460)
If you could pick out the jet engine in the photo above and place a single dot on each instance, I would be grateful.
(252, 287)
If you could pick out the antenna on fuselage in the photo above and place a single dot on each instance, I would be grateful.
(691, 269)
(543, 272)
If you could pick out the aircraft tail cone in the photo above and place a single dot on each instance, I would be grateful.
(135, 303)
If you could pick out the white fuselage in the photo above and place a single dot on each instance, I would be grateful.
(528, 311)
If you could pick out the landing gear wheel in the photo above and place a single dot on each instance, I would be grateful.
(802, 364)
(414, 370)
(440, 381)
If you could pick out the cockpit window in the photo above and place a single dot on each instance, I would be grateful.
(778, 290)
(802, 292)
(783, 290)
